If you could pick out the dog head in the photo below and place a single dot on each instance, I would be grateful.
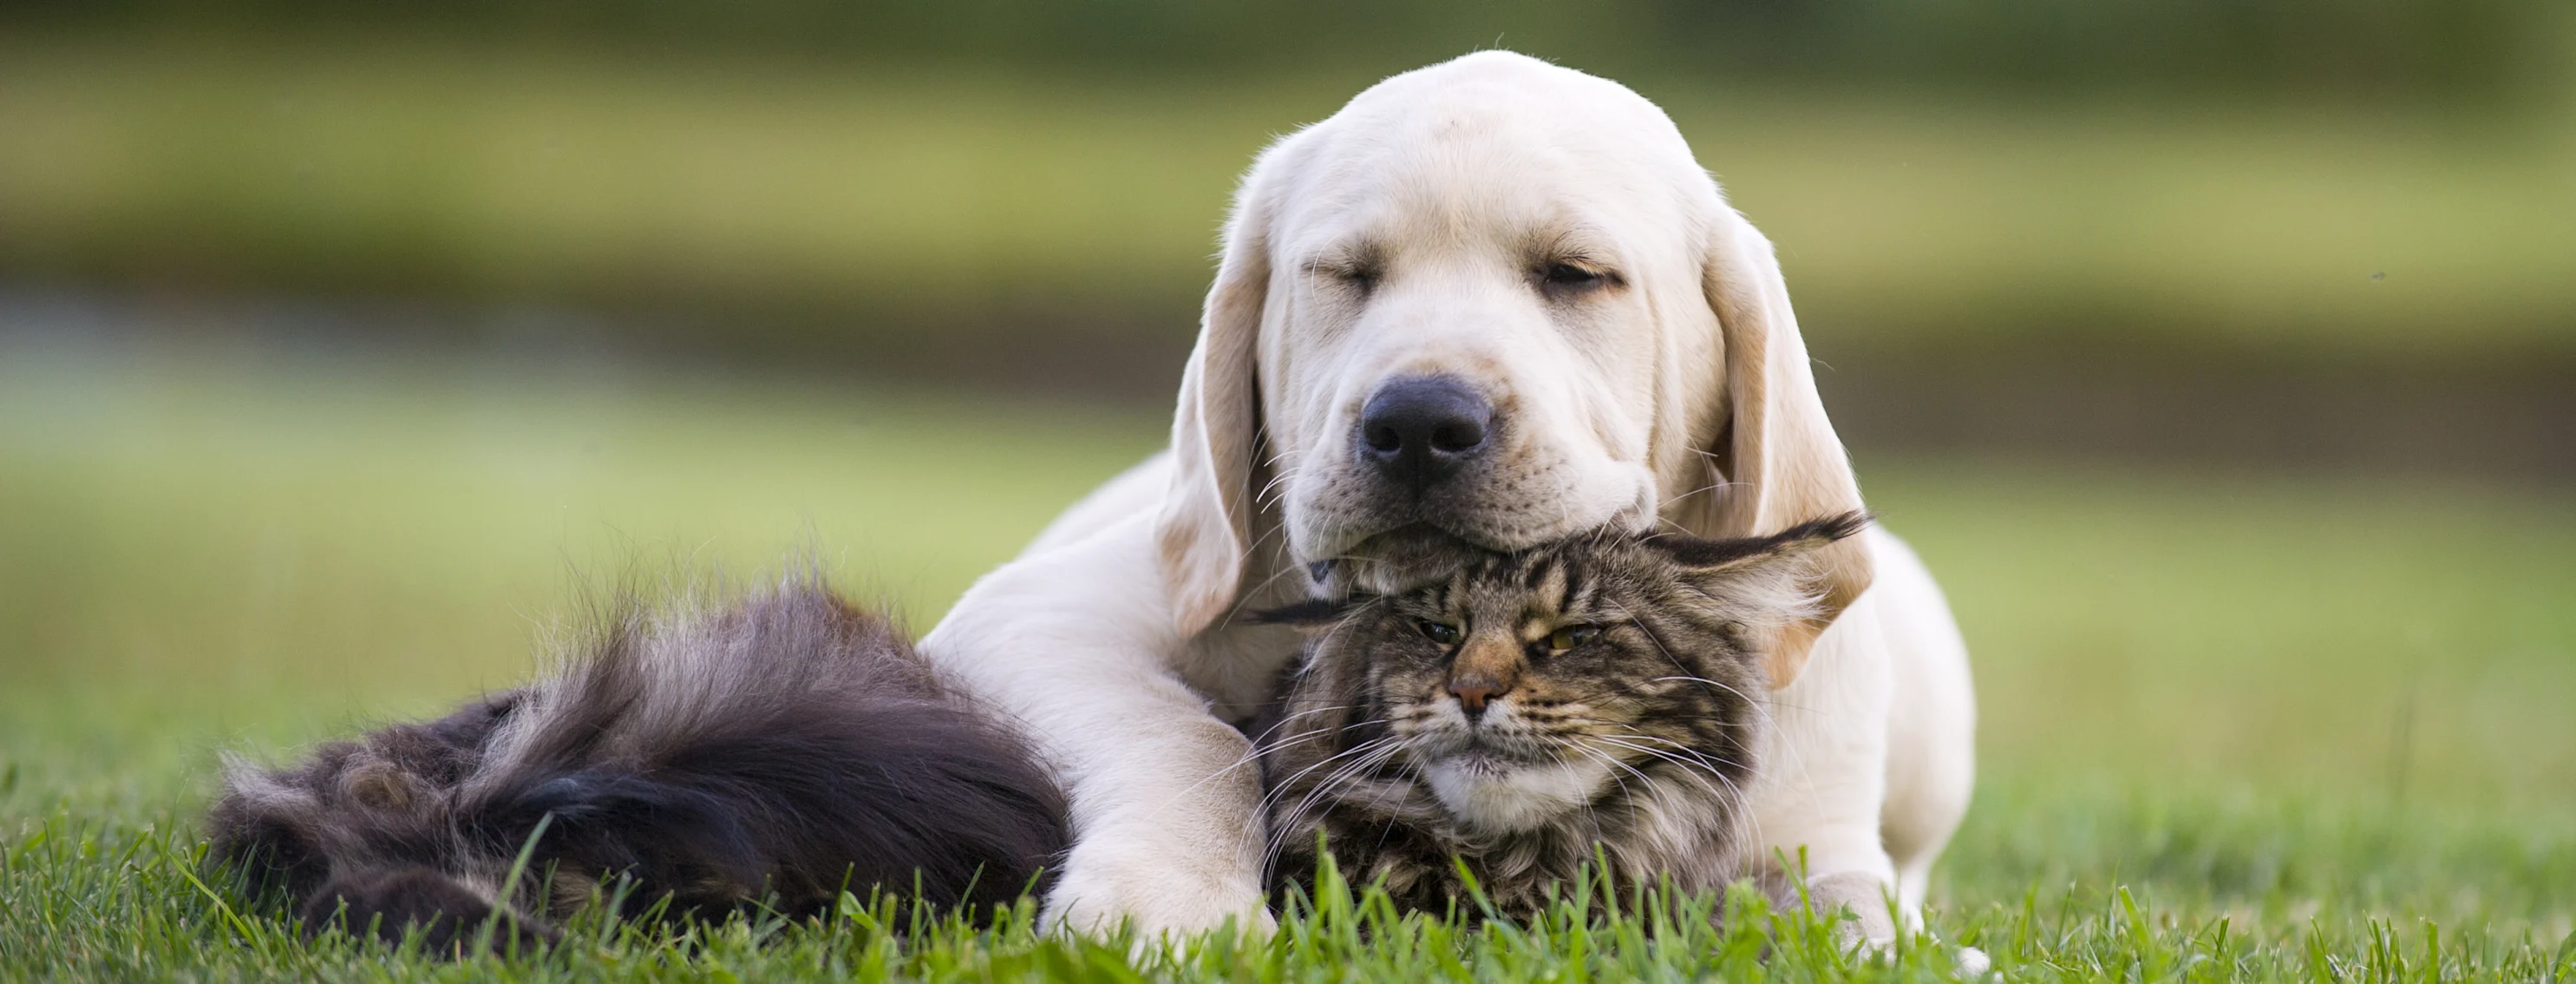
(1489, 304)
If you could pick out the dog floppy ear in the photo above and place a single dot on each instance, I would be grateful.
(1776, 455)
(1203, 535)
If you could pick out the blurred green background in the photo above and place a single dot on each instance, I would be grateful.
(2219, 356)
(799, 177)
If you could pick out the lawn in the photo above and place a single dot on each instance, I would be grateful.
(2235, 726)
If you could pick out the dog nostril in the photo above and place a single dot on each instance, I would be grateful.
(1385, 439)
(1462, 436)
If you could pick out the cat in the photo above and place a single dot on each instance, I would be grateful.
(1598, 699)
(776, 750)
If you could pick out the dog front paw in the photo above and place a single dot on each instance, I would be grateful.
(1864, 898)
(1100, 895)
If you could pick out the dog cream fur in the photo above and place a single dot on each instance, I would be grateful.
(1409, 234)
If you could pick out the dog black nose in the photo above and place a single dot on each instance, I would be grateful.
(1419, 430)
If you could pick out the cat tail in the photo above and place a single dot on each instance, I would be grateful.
(786, 746)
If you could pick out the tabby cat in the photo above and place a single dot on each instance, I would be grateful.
(1599, 695)
(1597, 698)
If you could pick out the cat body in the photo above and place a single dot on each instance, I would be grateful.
(778, 749)
(1596, 700)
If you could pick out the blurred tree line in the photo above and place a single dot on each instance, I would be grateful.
(2260, 230)
(2450, 51)
(996, 188)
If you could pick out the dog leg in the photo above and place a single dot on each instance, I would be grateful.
(1078, 643)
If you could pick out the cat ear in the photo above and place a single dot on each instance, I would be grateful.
(1763, 581)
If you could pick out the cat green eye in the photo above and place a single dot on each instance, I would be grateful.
(1571, 636)
(1440, 633)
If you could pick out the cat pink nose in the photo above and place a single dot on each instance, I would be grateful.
(1472, 694)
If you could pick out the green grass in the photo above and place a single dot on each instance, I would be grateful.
(956, 196)
(2248, 727)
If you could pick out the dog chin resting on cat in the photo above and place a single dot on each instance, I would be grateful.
(1595, 700)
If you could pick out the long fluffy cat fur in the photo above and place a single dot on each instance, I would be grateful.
(779, 749)
(1631, 744)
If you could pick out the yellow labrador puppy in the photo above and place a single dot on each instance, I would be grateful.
(1490, 303)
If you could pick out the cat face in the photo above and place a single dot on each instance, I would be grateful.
(1525, 685)
(1529, 686)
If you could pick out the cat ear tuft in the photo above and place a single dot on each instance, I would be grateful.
(1314, 613)
(1704, 556)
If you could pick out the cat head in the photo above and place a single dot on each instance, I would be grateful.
(1527, 684)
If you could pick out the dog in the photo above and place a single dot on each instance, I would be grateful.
(1488, 304)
